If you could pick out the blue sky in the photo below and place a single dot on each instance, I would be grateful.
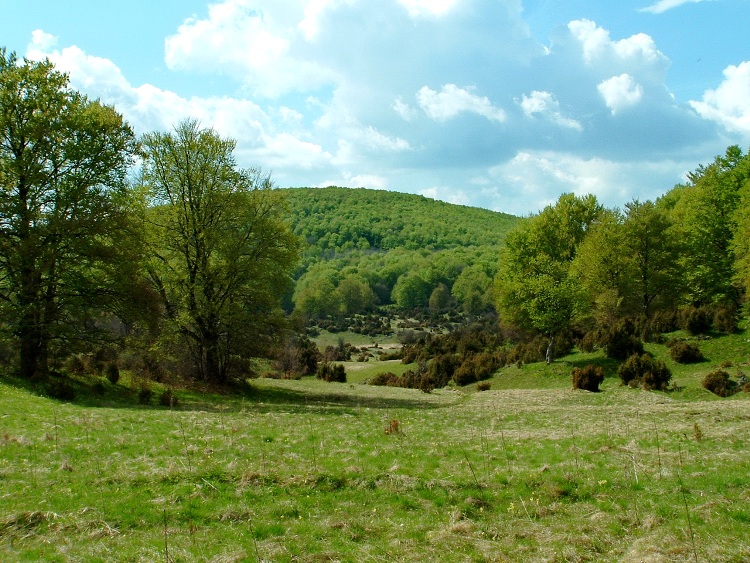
(502, 104)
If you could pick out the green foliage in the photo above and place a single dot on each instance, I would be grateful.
(68, 253)
(644, 371)
(221, 253)
(345, 219)
(167, 398)
(588, 378)
(535, 288)
(61, 389)
(620, 342)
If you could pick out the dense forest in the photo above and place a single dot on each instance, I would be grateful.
(364, 248)
(162, 255)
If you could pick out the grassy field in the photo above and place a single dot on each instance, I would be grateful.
(313, 471)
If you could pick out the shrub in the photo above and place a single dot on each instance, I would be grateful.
(725, 319)
(167, 398)
(98, 388)
(588, 378)
(144, 395)
(113, 373)
(331, 372)
(387, 378)
(620, 342)
(643, 370)
(686, 353)
(718, 383)
(484, 386)
(61, 390)
(77, 364)
(695, 320)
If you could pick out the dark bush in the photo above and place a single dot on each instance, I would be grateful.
(686, 353)
(663, 321)
(588, 378)
(113, 373)
(725, 319)
(77, 364)
(484, 386)
(61, 390)
(385, 379)
(718, 383)
(331, 372)
(98, 388)
(144, 395)
(695, 320)
(167, 398)
(590, 341)
(476, 368)
(621, 342)
(643, 370)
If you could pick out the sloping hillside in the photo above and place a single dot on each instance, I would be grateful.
(345, 219)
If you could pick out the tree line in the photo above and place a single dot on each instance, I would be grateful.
(682, 260)
(161, 241)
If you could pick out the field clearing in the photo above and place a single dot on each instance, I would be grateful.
(313, 471)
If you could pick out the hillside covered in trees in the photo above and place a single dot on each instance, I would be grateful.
(363, 248)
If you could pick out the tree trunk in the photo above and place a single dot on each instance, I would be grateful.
(550, 346)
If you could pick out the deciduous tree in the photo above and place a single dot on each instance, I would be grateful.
(221, 254)
(65, 257)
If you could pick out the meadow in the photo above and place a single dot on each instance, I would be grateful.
(311, 471)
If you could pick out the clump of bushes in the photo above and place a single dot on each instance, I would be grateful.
(484, 386)
(719, 383)
(588, 378)
(695, 320)
(641, 370)
(331, 372)
(621, 342)
(476, 368)
(385, 379)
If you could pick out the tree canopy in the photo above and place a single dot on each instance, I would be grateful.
(65, 242)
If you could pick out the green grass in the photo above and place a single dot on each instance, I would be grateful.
(305, 471)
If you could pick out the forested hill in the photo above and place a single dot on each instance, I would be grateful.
(342, 219)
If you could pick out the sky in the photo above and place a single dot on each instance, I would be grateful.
(500, 104)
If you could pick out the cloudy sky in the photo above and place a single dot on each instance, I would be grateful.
(502, 104)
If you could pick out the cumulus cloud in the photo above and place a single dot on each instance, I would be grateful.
(663, 5)
(546, 105)
(452, 100)
(599, 48)
(253, 43)
(620, 92)
(729, 104)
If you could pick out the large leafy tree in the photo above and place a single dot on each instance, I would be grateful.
(63, 210)
(221, 255)
(707, 212)
(534, 285)
(629, 263)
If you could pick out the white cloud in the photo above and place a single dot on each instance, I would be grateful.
(541, 176)
(404, 110)
(729, 104)
(428, 7)
(620, 92)
(663, 5)
(452, 100)
(546, 105)
(598, 47)
(254, 45)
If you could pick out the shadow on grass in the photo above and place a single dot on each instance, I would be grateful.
(608, 365)
(99, 393)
